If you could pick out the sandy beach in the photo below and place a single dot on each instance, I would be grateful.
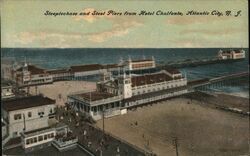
(59, 90)
(200, 130)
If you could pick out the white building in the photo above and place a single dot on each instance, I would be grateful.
(27, 113)
(231, 54)
(114, 96)
(42, 136)
(31, 75)
(141, 64)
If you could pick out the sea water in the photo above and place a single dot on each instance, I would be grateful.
(62, 58)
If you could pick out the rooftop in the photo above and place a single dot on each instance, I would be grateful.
(89, 67)
(26, 102)
(142, 60)
(150, 79)
(94, 96)
(33, 70)
(173, 71)
(57, 71)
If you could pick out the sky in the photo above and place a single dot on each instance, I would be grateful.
(24, 25)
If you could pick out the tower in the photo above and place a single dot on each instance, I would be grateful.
(26, 73)
(125, 86)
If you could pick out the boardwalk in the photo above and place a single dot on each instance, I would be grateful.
(94, 140)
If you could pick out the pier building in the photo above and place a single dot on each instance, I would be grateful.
(31, 75)
(231, 54)
(114, 96)
(131, 65)
(28, 75)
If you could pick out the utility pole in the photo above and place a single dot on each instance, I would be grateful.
(175, 144)
(24, 124)
(103, 111)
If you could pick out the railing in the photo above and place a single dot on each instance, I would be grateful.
(61, 143)
(107, 100)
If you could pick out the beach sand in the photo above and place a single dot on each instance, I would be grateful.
(59, 90)
(200, 130)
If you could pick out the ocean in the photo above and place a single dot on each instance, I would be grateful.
(62, 58)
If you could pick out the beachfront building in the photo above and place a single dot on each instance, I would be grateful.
(60, 74)
(142, 64)
(115, 96)
(31, 75)
(231, 54)
(27, 114)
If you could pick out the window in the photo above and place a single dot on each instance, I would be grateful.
(40, 138)
(31, 141)
(17, 116)
(51, 135)
(29, 114)
(45, 137)
(27, 141)
(35, 140)
(40, 113)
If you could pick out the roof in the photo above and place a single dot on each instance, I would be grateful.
(57, 71)
(26, 102)
(111, 66)
(229, 51)
(150, 79)
(33, 70)
(94, 96)
(143, 60)
(173, 71)
(88, 67)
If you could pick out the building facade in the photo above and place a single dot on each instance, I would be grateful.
(231, 54)
(115, 96)
(27, 113)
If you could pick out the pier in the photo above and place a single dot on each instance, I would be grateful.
(217, 82)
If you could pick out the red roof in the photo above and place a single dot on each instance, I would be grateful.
(26, 102)
(89, 67)
(33, 70)
(57, 71)
(142, 60)
(150, 79)
(173, 71)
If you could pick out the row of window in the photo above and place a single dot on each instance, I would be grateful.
(142, 65)
(39, 138)
(19, 116)
(149, 90)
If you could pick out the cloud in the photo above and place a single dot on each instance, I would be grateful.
(201, 42)
(121, 28)
(187, 20)
(228, 31)
(121, 25)
(47, 39)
